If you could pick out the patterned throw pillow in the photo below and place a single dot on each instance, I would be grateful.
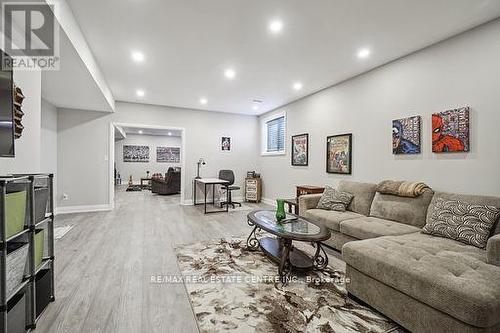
(331, 199)
(458, 220)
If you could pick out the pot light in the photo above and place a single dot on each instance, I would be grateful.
(229, 73)
(297, 86)
(255, 107)
(203, 101)
(138, 56)
(140, 93)
(140, 131)
(169, 133)
(275, 26)
(364, 53)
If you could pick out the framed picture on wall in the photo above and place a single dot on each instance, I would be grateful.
(450, 131)
(406, 135)
(300, 150)
(168, 154)
(135, 153)
(226, 143)
(339, 154)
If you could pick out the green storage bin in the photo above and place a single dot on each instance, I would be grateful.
(15, 209)
(39, 244)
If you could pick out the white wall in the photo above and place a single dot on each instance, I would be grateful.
(27, 148)
(48, 141)
(83, 144)
(462, 71)
(138, 169)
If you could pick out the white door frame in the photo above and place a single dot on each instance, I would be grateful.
(111, 154)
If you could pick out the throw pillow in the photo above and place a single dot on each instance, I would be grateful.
(331, 199)
(463, 222)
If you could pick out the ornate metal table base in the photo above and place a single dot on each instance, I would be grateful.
(288, 257)
(252, 241)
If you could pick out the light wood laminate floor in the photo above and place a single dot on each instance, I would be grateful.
(105, 263)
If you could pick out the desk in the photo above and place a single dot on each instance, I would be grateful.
(207, 182)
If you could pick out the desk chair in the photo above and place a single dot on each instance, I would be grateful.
(229, 176)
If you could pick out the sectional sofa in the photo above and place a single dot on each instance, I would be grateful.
(423, 282)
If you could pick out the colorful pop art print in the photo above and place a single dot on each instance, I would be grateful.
(300, 150)
(406, 135)
(339, 154)
(450, 131)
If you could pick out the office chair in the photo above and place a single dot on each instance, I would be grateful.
(229, 176)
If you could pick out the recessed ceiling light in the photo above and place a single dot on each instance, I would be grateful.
(140, 131)
(297, 86)
(275, 26)
(138, 56)
(229, 73)
(140, 93)
(203, 101)
(169, 133)
(364, 53)
(255, 107)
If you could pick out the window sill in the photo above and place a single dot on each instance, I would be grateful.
(273, 153)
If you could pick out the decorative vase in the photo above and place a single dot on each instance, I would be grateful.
(280, 211)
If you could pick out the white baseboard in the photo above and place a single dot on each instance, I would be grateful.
(82, 209)
(270, 202)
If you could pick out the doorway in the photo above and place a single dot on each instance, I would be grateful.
(138, 153)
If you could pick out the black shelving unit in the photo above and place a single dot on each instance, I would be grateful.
(29, 285)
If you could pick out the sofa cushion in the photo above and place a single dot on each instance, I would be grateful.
(461, 221)
(471, 199)
(493, 250)
(363, 195)
(370, 227)
(412, 211)
(329, 218)
(331, 199)
(448, 275)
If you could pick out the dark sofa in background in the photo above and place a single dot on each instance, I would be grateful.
(171, 184)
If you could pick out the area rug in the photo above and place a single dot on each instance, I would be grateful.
(233, 289)
(134, 188)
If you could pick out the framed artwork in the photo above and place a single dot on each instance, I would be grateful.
(406, 135)
(168, 154)
(135, 153)
(300, 150)
(226, 143)
(450, 131)
(339, 154)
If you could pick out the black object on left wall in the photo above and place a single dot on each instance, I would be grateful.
(7, 124)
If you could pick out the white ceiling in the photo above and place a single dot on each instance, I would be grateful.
(150, 131)
(189, 43)
(72, 86)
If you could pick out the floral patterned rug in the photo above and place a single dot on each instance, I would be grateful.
(233, 289)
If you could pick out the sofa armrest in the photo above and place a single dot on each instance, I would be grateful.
(308, 201)
(493, 250)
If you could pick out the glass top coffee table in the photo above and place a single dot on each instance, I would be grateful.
(280, 248)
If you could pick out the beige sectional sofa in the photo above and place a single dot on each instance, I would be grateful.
(423, 282)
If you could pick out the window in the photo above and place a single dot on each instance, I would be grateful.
(273, 135)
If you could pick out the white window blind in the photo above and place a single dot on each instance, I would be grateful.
(276, 134)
